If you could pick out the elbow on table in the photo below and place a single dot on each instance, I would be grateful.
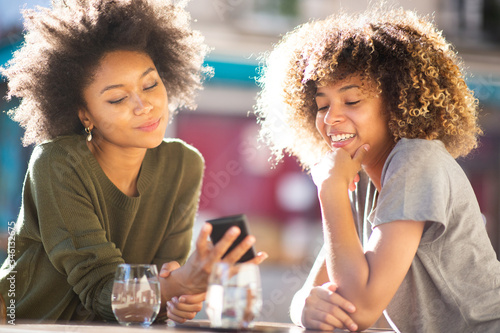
(297, 306)
(365, 318)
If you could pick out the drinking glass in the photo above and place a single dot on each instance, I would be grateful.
(136, 294)
(234, 295)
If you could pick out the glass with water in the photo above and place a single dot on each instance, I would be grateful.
(136, 294)
(234, 295)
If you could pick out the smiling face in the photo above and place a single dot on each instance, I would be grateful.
(126, 102)
(351, 114)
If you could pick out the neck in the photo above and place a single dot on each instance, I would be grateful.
(374, 168)
(121, 165)
(375, 177)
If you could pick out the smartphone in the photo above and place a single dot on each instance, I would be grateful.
(221, 225)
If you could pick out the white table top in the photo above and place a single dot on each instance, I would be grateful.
(199, 327)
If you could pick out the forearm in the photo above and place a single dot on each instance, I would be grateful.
(346, 262)
(102, 303)
(368, 277)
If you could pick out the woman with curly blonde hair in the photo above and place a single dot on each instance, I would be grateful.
(98, 82)
(382, 92)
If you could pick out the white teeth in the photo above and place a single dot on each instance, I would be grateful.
(341, 137)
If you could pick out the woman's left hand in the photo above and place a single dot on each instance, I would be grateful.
(324, 309)
(167, 268)
(185, 307)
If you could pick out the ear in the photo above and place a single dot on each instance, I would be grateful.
(84, 116)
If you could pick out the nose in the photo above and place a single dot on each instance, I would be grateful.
(141, 105)
(332, 117)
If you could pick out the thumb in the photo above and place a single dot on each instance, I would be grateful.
(360, 153)
(202, 241)
(192, 299)
(168, 267)
(330, 286)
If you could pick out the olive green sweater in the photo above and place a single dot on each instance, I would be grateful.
(75, 227)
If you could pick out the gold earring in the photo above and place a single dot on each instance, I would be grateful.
(89, 132)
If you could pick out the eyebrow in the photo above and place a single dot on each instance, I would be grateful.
(113, 86)
(344, 88)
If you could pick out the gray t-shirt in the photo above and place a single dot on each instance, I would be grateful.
(453, 284)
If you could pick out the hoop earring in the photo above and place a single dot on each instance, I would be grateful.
(89, 132)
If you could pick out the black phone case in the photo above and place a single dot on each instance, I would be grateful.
(221, 225)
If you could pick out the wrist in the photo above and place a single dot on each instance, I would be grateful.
(171, 286)
(333, 187)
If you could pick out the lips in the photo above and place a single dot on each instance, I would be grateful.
(341, 139)
(149, 125)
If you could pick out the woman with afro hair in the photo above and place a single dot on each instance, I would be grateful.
(381, 92)
(98, 82)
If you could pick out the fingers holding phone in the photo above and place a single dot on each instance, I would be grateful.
(242, 251)
(226, 238)
(231, 243)
(232, 240)
(259, 258)
(222, 230)
(237, 254)
(235, 250)
(230, 247)
(239, 249)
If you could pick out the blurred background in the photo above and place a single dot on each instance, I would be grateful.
(280, 202)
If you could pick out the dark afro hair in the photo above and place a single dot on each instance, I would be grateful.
(64, 44)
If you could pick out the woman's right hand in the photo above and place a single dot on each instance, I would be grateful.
(192, 278)
(337, 167)
(326, 310)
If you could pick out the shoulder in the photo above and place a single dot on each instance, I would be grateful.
(420, 146)
(176, 149)
(64, 150)
(419, 152)
(419, 159)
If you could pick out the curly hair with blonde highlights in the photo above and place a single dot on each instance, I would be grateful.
(416, 70)
(64, 44)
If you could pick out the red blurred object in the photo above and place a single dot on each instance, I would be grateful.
(239, 178)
